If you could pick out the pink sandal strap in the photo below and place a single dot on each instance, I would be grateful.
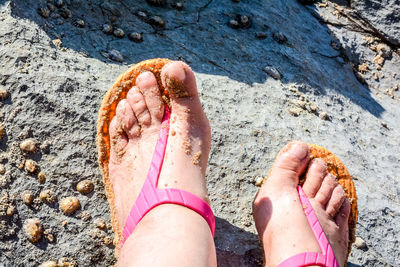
(151, 196)
(327, 257)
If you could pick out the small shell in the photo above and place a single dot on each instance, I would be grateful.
(69, 205)
(41, 177)
(107, 29)
(48, 264)
(65, 13)
(3, 95)
(274, 73)
(66, 262)
(324, 116)
(2, 169)
(234, 24)
(28, 145)
(31, 166)
(100, 223)
(85, 187)
(28, 197)
(260, 35)
(244, 21)
(179, 6)
(47, 196)
(80, 23)
(11, 210)
(118, 32)
(157, 21)
(259, 181)
(360, 243)
(1, 131)
(115, 55)
(136, 37)
(107, 240)
(33, 229)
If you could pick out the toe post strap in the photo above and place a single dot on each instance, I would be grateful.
(327, 257)
(151, 196)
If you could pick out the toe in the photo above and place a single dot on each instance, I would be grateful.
(136, 100)
(118, 137)
(325, 191)
(148, 85)
(342, 217)
(180, 82)
(336, 201)
(127, 118)
(314, 177)
(290, 163)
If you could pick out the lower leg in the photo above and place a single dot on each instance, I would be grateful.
(170, 235)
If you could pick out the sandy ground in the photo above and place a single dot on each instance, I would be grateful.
(57, 63)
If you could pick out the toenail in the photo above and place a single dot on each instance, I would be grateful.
(299, 151)
(143, 76)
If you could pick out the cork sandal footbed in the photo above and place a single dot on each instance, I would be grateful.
(107, 111)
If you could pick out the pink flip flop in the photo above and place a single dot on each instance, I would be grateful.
(151, 196)
(326, 257)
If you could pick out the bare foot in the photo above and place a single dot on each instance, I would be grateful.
(280, 220)
(134, 132)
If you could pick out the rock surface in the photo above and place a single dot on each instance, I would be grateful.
(55, 89)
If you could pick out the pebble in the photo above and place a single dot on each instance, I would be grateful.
(2, 169)
(11, 210)
(324, 116)
(28, 145)
(259, 181)
(57, 42)
(107, 29)
(33, 229)
(274, 73)
(157, 21)
(85, 187)
(47, 196)
(59, 3)
(48, 264)
(100, 223)
(280, 37)
(115, 55)
(359, 243)
(244, 21)
(384, 124)
(136, 37)
(260, 35)
(3, 94)
(234, 24)
(31, 166)
(28, 198)
(80, 23)
(294, 111)
(44, 12)
(118, 32)
(69, 205)
(41, 177)
(1, 131)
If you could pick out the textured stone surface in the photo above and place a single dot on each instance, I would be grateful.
(56, 74)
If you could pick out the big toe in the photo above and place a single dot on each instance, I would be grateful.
(290, 164)
(180, 82)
